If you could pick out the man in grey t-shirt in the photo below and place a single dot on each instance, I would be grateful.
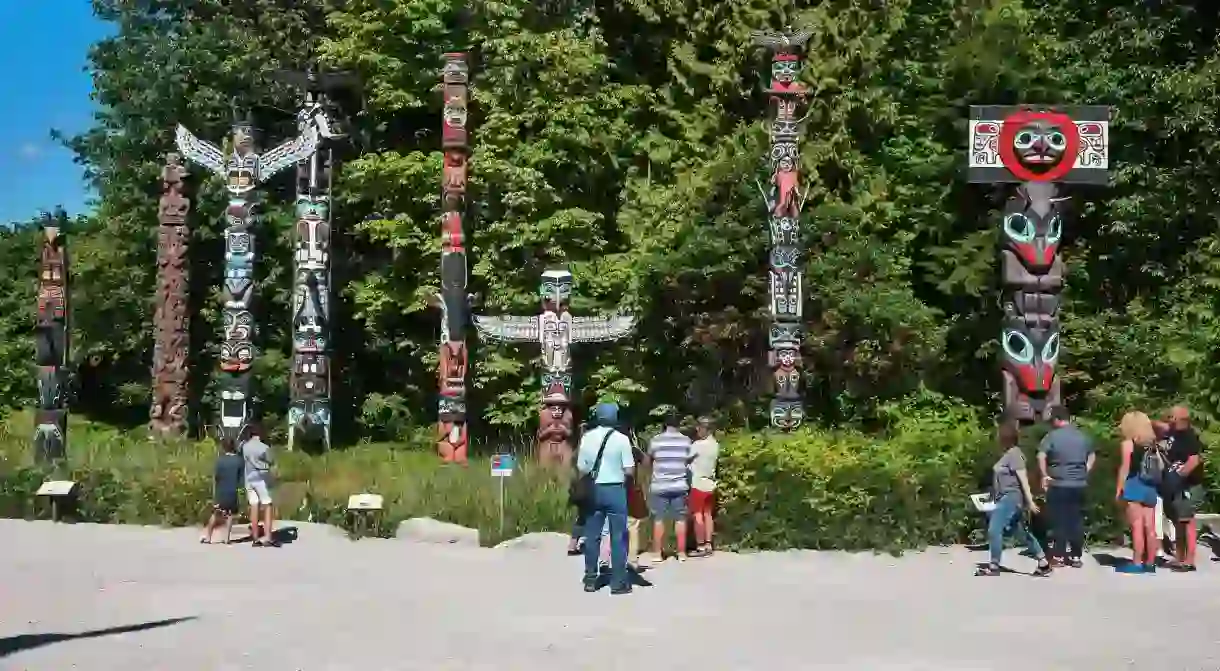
(1065, 459)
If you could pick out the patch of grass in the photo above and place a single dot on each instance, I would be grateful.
(127, 478)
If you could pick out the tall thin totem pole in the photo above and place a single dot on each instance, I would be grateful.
(784, 200)
(1037, 148)
(171, 333)
(309, 406)
(555, 330)
(453, 300)
(51, 341)
(245, 169)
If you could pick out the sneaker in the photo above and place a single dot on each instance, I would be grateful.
(590, 584)
(681, 557)
(1131, 568)
(625, 589)
(1075, 562)
(1183, 568)
(1150, 568)
(1043, 570)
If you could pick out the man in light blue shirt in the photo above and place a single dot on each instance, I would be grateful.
(609, 496)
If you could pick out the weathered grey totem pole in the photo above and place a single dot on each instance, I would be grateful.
(51, 340)
(453, 300)
(244, 169)
(309, 405)
(171, 332)
(555, 330)
(1037, 148)
(784, 200)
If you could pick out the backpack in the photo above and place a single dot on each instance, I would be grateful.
(1152, 466)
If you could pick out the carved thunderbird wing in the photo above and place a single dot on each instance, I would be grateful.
(601, 329)
(508, 329)
(199, 151)
(288, 153)
(773, 40)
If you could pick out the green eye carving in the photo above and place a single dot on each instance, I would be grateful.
(1018, 347)
(1018, 227)
(1050, 351)
(1055, 231)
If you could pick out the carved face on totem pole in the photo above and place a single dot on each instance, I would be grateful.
(456, 76)
(237, 350)
(1039, 146)
(243, 163)
(786, 301)
(453, 185)
(785, 69)
(452, 425)
(787, 415)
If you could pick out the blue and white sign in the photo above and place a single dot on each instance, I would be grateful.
(502, 465)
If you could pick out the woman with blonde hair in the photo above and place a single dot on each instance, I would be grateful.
(1138, 477)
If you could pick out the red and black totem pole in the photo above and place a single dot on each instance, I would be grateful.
(1032, 151)
(171, 333)
(51, 340)
(784, 200)
(453, 299)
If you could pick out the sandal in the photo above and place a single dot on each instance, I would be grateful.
(1042, 571)
(988, 570)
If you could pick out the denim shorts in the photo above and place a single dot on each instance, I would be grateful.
(1138, 491)
(669, 506)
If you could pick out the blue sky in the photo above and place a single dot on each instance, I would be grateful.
(43, 46)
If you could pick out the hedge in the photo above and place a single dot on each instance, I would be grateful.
(901, 489)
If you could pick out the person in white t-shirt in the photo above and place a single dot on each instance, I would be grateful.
(704, 453)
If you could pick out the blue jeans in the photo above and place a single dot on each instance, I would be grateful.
(609, 502)
(1008, 513)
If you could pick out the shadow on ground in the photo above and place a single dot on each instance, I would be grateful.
(14, 644)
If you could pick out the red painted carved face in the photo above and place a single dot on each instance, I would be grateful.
(1034, 239)
(1030, 355)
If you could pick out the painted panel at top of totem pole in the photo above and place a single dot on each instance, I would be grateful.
(555, 329)
(1030, 143)
(244, 169)
(785, 199)
(453, 299)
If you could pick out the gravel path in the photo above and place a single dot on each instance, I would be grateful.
(326, 604)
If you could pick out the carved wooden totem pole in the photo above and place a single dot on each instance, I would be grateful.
(171, 332)
(555, 330)
(784, 200)
(245, 169)
(453, 299)
(1035, 148)
(309, 405)
(51, 341)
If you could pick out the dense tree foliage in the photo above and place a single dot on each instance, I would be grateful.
(624, 139)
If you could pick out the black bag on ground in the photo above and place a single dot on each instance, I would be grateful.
(580, 492)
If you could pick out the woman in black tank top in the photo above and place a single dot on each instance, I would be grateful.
(1137, 497)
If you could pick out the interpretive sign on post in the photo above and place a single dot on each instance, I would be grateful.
(502, 465)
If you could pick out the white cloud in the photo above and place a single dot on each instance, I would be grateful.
(30, 150)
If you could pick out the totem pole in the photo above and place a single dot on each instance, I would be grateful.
(51, 340)
(1037, 148)
(453, 299)
(244, 169)
(309, 406)
(784, 200)
(171, 337)
(555, 330)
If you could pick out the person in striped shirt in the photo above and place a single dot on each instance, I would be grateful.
(669, 452)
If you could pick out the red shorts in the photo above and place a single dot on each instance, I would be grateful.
(701, 501)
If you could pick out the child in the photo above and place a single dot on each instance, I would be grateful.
(229, 468)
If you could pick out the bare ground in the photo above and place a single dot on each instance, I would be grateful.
(324, 603)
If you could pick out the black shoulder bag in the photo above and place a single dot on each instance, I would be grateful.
(580, 492)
